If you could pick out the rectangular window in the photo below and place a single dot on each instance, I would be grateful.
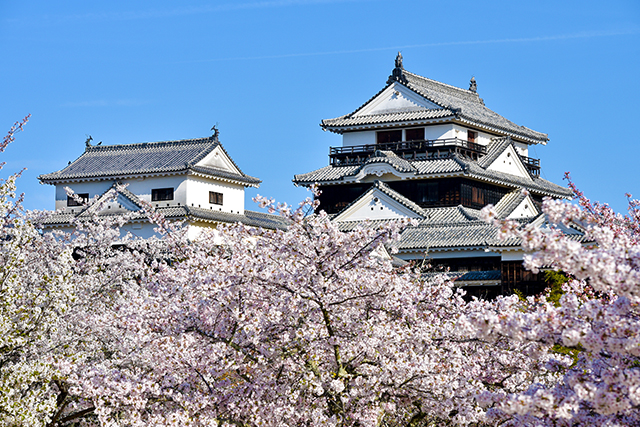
(73, 202)
(160, 194)
(414, 134)
(215, 198)
(386, 136)
(472, 136)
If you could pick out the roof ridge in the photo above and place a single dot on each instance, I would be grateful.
(385, 188)
(465, 91)
(151, 143)
(509, 202)
(495, 147)
(395, 111)
(465, 211)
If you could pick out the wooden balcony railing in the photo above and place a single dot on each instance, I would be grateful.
(533, 165)
(418, 150)
(410, 150)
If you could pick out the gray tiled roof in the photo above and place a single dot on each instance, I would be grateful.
(509, 202)
(461, 104)
(326, 174)
(388, 117)
(440, 166)
(255, 219)
(389, 157)
(114, 161)
(480, 275)
(447, 235)
(450, 214)
(338, 173)
(471, 106)
(494, 149)
(535, 184)
(455, 165)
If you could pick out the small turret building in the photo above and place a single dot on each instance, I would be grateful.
(190, 180)
(433, 152)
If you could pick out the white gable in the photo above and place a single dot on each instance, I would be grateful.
(526, 208)
(119, 205)
(509, 162)
(376, 205)
(394, 98)
(218, 159)
(126, 203)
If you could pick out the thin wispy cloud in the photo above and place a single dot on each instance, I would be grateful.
(105, 103)
(175, 12)
(559, 37)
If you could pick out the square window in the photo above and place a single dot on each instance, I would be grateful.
(415, 134)
(73, 202)
(160, 194)
(215, 198)
(386, 136)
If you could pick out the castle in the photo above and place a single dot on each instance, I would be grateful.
(433, 152)
(417, 149)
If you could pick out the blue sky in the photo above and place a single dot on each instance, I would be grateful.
(267, 72)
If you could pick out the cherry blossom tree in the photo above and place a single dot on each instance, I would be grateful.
(34, 295)
(47, 288)
(304, 326)
(598, 318)
(307, 326)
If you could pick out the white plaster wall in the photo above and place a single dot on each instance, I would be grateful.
(523, 210)
(522, 148)
(378, 206)
(508, 162)
(141, 187)
(145, 230)
(439, 131)
(396, 98)
(482, 139)
(359, 138)
(198, 195)
(218, 159)
(93, 188)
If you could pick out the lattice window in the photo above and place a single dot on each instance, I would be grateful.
(215, 198)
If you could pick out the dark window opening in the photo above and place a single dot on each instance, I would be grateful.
(472, 136)
(215, 198)
(160, 194)
(337, 197)
(449, 192)
(516, 277)
(414, 134)
(71, 201)
(465, 264)
(385, 136)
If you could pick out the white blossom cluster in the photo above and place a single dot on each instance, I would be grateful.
(307, 326)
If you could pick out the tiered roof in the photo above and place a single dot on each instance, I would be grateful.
(454, 165)
(451, 104)
(110, 162)
(132, 204)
